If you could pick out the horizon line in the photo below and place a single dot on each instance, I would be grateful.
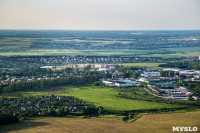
(107, 29)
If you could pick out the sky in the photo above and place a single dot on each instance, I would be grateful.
(100, 14)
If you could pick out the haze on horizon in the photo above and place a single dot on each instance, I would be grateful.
(100, 14)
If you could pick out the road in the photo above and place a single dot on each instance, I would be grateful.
(152, 93)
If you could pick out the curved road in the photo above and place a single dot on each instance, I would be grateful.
(152, 93)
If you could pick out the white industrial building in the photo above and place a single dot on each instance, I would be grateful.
(172, 69)
(178, 95)
(185, 91)
(150, 74)
(120, 83)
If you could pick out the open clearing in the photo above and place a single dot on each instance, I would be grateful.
(149, 65)
(71, 52)
(17, 50)
(156, 123)
(105, 96)
(99, 96)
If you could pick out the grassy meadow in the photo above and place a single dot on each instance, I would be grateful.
(153, 123)
(25, 43)
(99, 96)
(180, 52)
(149, 65)
(105, 96)
(22, 47)
(185, 51)
(13, 50)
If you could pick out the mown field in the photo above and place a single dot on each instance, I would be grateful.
(99, 96)
(149, 65)
(185, 51)
(193, 51)
(22, 46)
(154, 123)
(14, 50)
(105, 96)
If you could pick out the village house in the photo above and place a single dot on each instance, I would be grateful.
(197, 98)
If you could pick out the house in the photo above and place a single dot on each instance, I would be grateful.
(197, 72)
(143, 80)
(151, 86)
(197, 98)
(120, 83)
(153, 79)
(132, 83)
(109, 83)
(185, 91)
(187, 73)
(172, 69)
(166, 86)
(178, 95)
(103, 69)
(150, 74)
(47, 67)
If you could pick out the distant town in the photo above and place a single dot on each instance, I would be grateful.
(110, 74)
(166, 83)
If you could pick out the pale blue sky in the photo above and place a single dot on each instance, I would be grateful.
(100, 14)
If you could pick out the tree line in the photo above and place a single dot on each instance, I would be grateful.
(45, 83)
(183, 65)
(193, 87)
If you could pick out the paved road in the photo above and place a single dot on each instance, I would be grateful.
(152, 93)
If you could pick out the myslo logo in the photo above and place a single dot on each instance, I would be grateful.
(194, 129)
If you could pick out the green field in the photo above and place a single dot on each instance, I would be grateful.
(105, 96)
(35, 93)
(28, 51)
(185, 51)
(149, 65)
(25, 43)
(99, 96)
(18, 50)
(156, 123)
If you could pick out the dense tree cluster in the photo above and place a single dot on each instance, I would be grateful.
(6, 118)
(11, 110)
(45, 83)
(168, 73)
(194, 87)
(183, 65)
(131, 71)
(19, 62)
(27, 71)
